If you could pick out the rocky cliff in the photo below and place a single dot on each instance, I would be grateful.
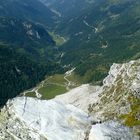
(107, 112)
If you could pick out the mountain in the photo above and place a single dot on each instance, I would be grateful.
(32, 10)
(88, 112)
(70, 8)
(27, 50)
(27, 37)
(117, 99)
(98, 33)
(91, 34)
(70, 45)
(25, 56)
(19, 72)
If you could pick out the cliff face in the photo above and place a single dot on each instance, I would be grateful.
(120, 96)
(118, 99)
(28, 118)
(85, 113)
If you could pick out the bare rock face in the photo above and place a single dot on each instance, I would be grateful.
(120, 96)
(111, 130)
(118, 99)
(81, 97)
(108, 112)
(28, 118)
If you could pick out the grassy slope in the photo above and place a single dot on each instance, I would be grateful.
(50, 91)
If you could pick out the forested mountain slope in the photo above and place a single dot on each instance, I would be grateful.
(25, 56)
(95, 33)
(27, 50)
(19, 72)
(26, 37)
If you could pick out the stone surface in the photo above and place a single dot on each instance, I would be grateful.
(84, 113)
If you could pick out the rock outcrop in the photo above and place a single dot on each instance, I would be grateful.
(28, 118)
(108, 112)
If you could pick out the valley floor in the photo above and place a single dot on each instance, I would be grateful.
(53, 86)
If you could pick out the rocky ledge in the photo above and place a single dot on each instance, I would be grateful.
(108, 112)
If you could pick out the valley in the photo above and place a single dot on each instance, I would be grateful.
(90, 35)
(69, 70)
(53, 86)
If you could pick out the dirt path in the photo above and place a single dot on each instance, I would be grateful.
(36, 89)
(38, 95)
(67, 74)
